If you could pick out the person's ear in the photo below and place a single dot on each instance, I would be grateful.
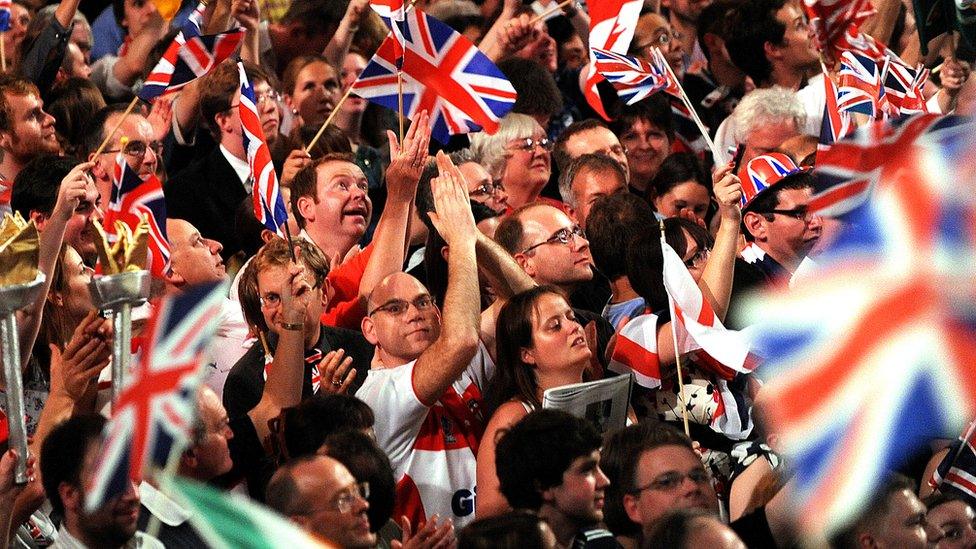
(5, 140)
(771, 50)
(306, 207)
(632, 508)
(527, 355)
(39, 219)
(527, 264)
(172, 277)
(369, 330)
(190, 458)
(755, 224)
(446, 252)
(71, 496)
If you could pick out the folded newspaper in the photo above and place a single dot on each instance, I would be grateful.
(604, 402)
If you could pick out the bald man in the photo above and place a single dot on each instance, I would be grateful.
(321, 495)
(425, 384)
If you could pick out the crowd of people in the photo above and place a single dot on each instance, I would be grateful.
(378, 379)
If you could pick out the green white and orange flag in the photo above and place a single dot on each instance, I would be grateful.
(231, 521)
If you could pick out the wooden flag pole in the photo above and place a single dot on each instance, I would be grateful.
(400, 103)
(677, 353)
(550, 11)
(691, 108)
(3, 53)
(332, 115)
(111, 134)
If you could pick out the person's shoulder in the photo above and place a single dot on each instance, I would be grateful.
(199, 166)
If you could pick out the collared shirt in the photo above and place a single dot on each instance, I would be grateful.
(159, 504)
(139, 541)
(241, 167)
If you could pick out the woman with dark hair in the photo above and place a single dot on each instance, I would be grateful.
(680, 187)
(540, 345)
(311, 88)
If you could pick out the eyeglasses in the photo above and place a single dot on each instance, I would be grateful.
(138, 148)
(562, 236)
(528, 144)
(344, 502)
(698, 260)
(397, 307)
(801, 213)
(487, 189)
(663, 39)
(271, 96)
(672, 480)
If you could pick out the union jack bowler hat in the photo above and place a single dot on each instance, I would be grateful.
(764, 171)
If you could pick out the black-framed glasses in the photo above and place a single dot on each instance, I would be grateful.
(139, 148)
(487, 189)
(528, 144)
(671, 480)
(562, 236)
(397, 307)
(801, 213)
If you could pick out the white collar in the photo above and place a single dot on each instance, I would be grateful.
(159, 504)
(241, 167)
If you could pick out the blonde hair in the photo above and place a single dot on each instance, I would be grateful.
(489, 150)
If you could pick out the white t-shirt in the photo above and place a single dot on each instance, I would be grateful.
(432, 449)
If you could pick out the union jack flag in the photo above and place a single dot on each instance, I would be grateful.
(392, 13)
(833, 20)
(190, 56)
(633, 78)
(860, 87)
(957, 472)
(5, 15)
(269, 207)
(836, 124)
(612, 26)
(444, 74)
(876, 355)
(156, 407)
(903, 88)
(135, 197)
(636, 351)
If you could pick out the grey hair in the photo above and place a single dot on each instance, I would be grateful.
(765, 106)
(462, 156)
(47, 12)
(489, 150)
(593, 162)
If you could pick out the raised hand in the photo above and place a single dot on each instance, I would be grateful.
(517, 33)
(247, 14)
(86, 354)
(161, 116)
(408, 158)
(337, 372)
(75, 187)
(728, 193)
(297, 159)
(296, 292)
(452, 210)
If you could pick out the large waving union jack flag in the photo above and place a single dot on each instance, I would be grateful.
(156, 407)
(269, 206)
(444, 74)
(134, 198)
(190, 56)
(833, 20)
(633, 78)
(876, 355)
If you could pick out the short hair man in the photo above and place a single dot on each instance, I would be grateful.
(223, 172)
(141, 150)
(587, 137)
(296, 337)
(322, 496)
(35, 195)
(549, 462)
(68, 457)
(426, 376)
(780, 228)
(894, 518)
(26, 131)
(196, 260)
(772, 42)
(207, 458)
(587, 178)
(762, 121)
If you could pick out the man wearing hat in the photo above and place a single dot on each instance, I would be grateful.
(779, 228)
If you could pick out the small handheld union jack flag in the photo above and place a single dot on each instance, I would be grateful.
(832, 22)
(860, 87)
(633, 78)
(269, 207)
(156, 407)
(444, 74)
(190, 56)
(135, 197)
(392, 13)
